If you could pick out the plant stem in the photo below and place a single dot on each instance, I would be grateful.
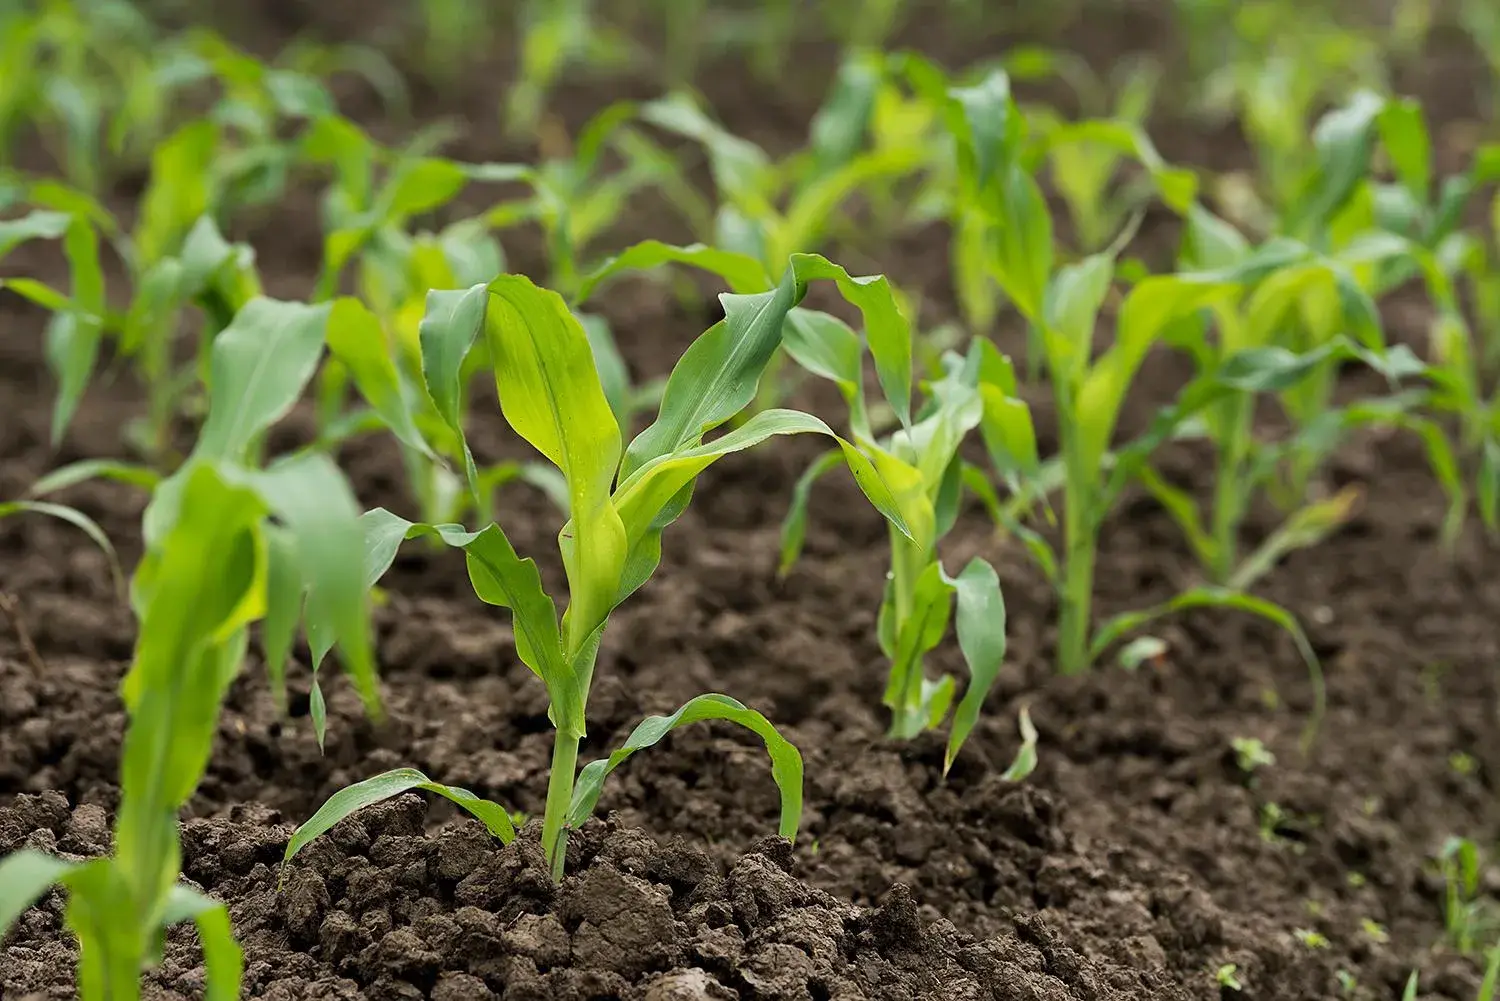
(904, 689)
(1078, 582)
(1230, 490)
(559, 798)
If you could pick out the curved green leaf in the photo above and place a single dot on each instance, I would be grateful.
(356, 340)
(39, 224)
(90, 469)
(794, 524)
(24, 876)
(377, 789)
(78, 520)
(261, 363)
(717, 375)
(450, 325)
(980, 624)
(742, 273)
(1025, 761)
(786, 762)
(1218, 597)
(223, 960)
(887, 329)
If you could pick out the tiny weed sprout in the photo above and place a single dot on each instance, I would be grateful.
(1471, 919)
(1250, 754)
(621, 500)
(1227, 977)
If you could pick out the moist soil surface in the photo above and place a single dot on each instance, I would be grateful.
(1135, 862)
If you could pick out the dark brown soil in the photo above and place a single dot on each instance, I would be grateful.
(1131, 865)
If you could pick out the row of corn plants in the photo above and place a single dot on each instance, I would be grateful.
(402, 320)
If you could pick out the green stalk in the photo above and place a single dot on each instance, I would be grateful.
(559, 798)
(904, 693)
(1230, 490)
(1079, 549)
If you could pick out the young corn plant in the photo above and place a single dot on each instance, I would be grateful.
(920, 595)
(621, 500)
(227, 543)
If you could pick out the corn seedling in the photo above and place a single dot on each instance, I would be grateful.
(621, 501)
(1472, 921)
(227, 544)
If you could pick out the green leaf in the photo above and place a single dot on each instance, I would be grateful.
(223, 960)
(1008, 434)
(24, 876)
(717, 375)
(78, 520)
(614, 376)
(180, 192)
(991, 125)
(1139, 650)
(742, 273)
(794, 524)
(449, 327)
(1403, 129)
(420, 186)
(1023, 248)
(1184, 511)
(261, 363)
(39, 224)
(1488, 491)
(1072, 306)
(1343, 139)
(284, 595)
(887, 329)
(786, 762)
(1218, 597)
(1307, 527)
(95, 469)
(313, 500)
(551, 396)
(197, 588)
(356, 340)
(825, 346)
(1025, 761)
(980, 624)
(387, 785)
(918, 628)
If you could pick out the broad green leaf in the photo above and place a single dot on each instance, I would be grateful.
(743, 274)
(1403, 129)
(261, 362)
(180, 192)
(420, 186)
(614, 376)
(96, 469)
(284, 596)
(887, 329)
(223, 960)
(1074, 298)
(1023, 248)
(837, 131)
(78, 520)
(356, 340)
(1219, 597)
(1009, 436)
(825, 346)
(198, 587)
(551, 396)
(310, 496)
(991, 124)
(24, 876)
(794, 524)
(387, 785)
(717, 375)
(1210, 243)
(1025, 760)
(980, 624)
(1343, 139)
(786, 762)
(448, 330)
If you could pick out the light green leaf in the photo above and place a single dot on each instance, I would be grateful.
(223, 960)
(1403, 129)
(887, 329)
(1218, 597)
(356, 340)
(1344, 139)
(261, 362)
(284, 595)
(39, 224)
(918, 628)
(825, 346)
(78, 520)
(716, 377)
(91, 469)
(387, 785)
(786, 762)
(420, 186)
(794, 524)
(449, 327)
(1023, 248)
(1488, 491)
(24, 876)
(991, 125)
(980, 624)
(1026, 758)
(551, 396)
(1307, 526)
(742, 273)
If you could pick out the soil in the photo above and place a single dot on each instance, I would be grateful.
(1134, 863)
